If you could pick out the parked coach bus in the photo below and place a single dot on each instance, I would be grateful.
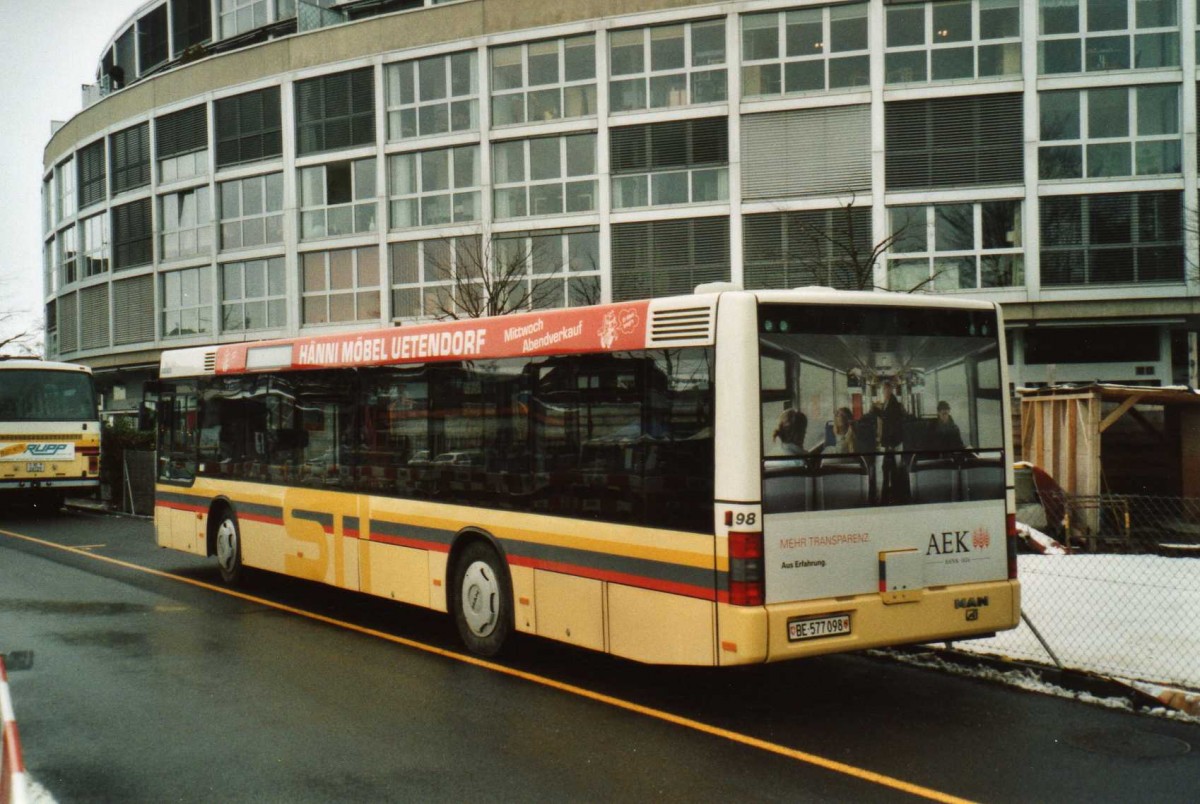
(716, 479)
(49, 432)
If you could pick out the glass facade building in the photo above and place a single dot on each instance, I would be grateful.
(263, 168)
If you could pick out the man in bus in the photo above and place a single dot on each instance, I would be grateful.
(889, 423)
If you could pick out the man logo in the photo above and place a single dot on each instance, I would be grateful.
(980, 539)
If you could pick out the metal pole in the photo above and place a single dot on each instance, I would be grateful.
(1045, 645)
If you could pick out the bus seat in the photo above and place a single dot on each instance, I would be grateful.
(787, 489)
(983, 479)
(843, 482)
(933, 480)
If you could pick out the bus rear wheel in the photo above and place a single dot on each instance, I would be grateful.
(482, 600)
(228, 547)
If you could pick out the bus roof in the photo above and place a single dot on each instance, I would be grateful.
(674, 321)
(40, 365)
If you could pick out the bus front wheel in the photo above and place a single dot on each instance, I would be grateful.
(482, 600)
(229, 547)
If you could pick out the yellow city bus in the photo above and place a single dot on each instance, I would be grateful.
(716, 479)
(49, 431)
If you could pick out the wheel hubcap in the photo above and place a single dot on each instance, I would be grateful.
(227, 545)
(480, 598)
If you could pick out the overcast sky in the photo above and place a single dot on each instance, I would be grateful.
(53, 47)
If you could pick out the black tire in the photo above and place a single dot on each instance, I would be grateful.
(482, 600)
(227, 546)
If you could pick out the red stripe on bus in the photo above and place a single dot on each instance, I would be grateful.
(269, 520)
(402, 541)
(674, 587)
(350, 533)
(175, 506)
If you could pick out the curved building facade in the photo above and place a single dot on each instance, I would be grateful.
(248, 169)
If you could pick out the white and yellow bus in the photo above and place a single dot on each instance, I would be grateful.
(49, 432)
(715, 479)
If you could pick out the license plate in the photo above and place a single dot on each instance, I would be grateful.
(803, 628)
(35, 467)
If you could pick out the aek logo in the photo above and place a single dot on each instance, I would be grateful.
(46, 450)
(948, 543)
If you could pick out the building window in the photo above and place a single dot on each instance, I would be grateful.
(91, 165)
(340, 285)
(50, 278)
(187, 302)
(954, 142)
(181, 144)
(1112, 239)
(544, 81)
(186, 224)
(335, 111)
(949, 247)
(424, 274)
(830, 247)
(549, 268)
(663, 164)
(1114, 131)
(544, 176)
(130, 150)
(337, 199)
(132, 235)
(806, 50)
(135, 293)
(430, 188)
(667, 65)
(64, 183)
(191, 23)
(251, 211)
(946, 41)
(1075, 37)
(94, 247)
(253, 295)
(239, 16)
(822, 151)
(668, 257)
(430, 96)
(152, 39)
(68, 254)
(248, 127)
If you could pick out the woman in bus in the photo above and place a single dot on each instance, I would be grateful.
(843, 431)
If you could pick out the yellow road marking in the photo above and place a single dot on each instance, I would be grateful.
(658, 714)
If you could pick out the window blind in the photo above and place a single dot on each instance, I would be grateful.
(806, 152)
(951, 142)
(181, 132)
(665, 258)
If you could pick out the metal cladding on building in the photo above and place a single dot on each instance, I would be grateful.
(249, 169)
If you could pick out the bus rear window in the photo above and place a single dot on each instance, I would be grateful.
(867, 406)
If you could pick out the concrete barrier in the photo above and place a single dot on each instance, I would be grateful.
(13, 783)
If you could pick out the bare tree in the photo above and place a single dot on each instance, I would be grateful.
(836, 249)
(19, 337)
(498, 276)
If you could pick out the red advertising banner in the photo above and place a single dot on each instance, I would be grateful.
(612, 327)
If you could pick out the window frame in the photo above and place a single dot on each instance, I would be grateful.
(357, 291)
(565, 92)
(273, 298)
(465, 201)
(526, 189)
(760, 67)
(642, 80)
(403, 78)
(173, 303)
(904, 263)
(363, 200)
(270, 219)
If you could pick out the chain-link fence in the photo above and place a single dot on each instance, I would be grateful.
(1114, 590)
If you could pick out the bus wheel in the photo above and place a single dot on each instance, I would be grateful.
(229, 548)
(483, 602)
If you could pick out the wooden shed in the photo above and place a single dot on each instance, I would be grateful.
(1114, 439)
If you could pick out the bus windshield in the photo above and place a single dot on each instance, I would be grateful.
(886, 404)
(33, 395)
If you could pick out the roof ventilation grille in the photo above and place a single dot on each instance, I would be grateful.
(688, 324)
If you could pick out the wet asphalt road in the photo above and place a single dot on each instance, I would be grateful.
(145, 688)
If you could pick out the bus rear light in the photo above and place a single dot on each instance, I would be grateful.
(746, 581)
(1011, 528)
